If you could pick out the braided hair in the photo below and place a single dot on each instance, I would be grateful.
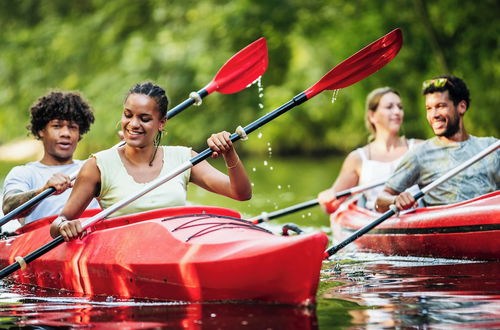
(68, 106)
(155, 92)
(158, 94)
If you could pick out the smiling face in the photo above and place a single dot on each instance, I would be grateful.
(389, 113)
(141, 120)
(444, 117)
(60, 138)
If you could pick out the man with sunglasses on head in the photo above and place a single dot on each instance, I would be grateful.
(446, 102)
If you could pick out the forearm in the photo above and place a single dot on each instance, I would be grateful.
(241, 188)
(16, 199)
(384, 200)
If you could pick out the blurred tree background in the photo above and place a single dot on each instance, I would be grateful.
(103, 47)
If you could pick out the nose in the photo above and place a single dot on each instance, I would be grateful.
(64, 131)
(134, 121)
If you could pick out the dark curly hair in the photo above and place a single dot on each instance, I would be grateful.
(456, 87)
(60, 105)
(155, 92)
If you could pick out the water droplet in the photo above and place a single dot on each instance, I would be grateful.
(261, 95)
(335, 94)
(270, 149)
(213, 315)
(271, 168)
(261, 105)
(253, 184)
(309, 214)
(268, 143)
(259, 136)
(254, 169)
(265, 163)
(279, 186)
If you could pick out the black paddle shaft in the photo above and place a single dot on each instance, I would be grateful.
(188, 102)
(26, 205)
(360, 232)
(297, 100)
(32, 256)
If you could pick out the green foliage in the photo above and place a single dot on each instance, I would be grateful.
(103, 47)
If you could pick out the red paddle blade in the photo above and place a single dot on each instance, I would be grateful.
(360, 65)
(241, 70)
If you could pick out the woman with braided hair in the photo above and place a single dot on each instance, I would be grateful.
(111, 175)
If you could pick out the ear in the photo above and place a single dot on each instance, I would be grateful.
(462, 107)
(371, 117)
(163, 122)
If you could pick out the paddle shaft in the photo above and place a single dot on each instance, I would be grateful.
(313, 202)
(334, 249)
(187, 103)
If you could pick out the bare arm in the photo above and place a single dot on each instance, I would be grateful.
(86, 187)
(58, 181)
(236, 184)
(347, 178)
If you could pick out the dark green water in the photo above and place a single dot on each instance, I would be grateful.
(356, 290)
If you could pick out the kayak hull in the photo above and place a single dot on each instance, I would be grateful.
(186, 254)
(466, 230)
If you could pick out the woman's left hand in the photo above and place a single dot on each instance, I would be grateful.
(220, 143)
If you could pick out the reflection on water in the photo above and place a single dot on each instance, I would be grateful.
(409, 292)
(26, 309)
(357, 291)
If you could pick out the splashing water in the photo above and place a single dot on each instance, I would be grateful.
(335, 94)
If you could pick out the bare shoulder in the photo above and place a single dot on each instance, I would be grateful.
(353, 159)
(90, 171)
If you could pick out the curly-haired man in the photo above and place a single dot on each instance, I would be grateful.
(58, 119)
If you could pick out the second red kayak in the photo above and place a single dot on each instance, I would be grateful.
(467, 230)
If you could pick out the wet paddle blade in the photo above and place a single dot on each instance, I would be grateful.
(368, 60)
(241, 70)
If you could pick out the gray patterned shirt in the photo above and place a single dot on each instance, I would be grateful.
(431, 159)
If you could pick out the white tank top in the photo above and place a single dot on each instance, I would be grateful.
(117, 184)
(373, 171)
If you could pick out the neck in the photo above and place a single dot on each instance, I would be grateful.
(139, 156)
(50, 160)
(387, 140)
(460, 136)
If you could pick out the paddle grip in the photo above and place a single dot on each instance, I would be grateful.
(26, 205)
(32, 256)
(188, 102)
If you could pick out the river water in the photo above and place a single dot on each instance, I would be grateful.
(356, 290)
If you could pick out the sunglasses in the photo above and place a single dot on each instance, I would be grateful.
(438, 82)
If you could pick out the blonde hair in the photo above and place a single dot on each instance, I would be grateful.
(372, 102)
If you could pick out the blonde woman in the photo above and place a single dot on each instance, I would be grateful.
(378, 159)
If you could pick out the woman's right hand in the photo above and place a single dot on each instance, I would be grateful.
(328, 201)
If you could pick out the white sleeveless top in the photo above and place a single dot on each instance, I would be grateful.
(373, 171)
(117, 184)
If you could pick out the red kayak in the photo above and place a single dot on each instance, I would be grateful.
(466, 230)
(185, 253)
